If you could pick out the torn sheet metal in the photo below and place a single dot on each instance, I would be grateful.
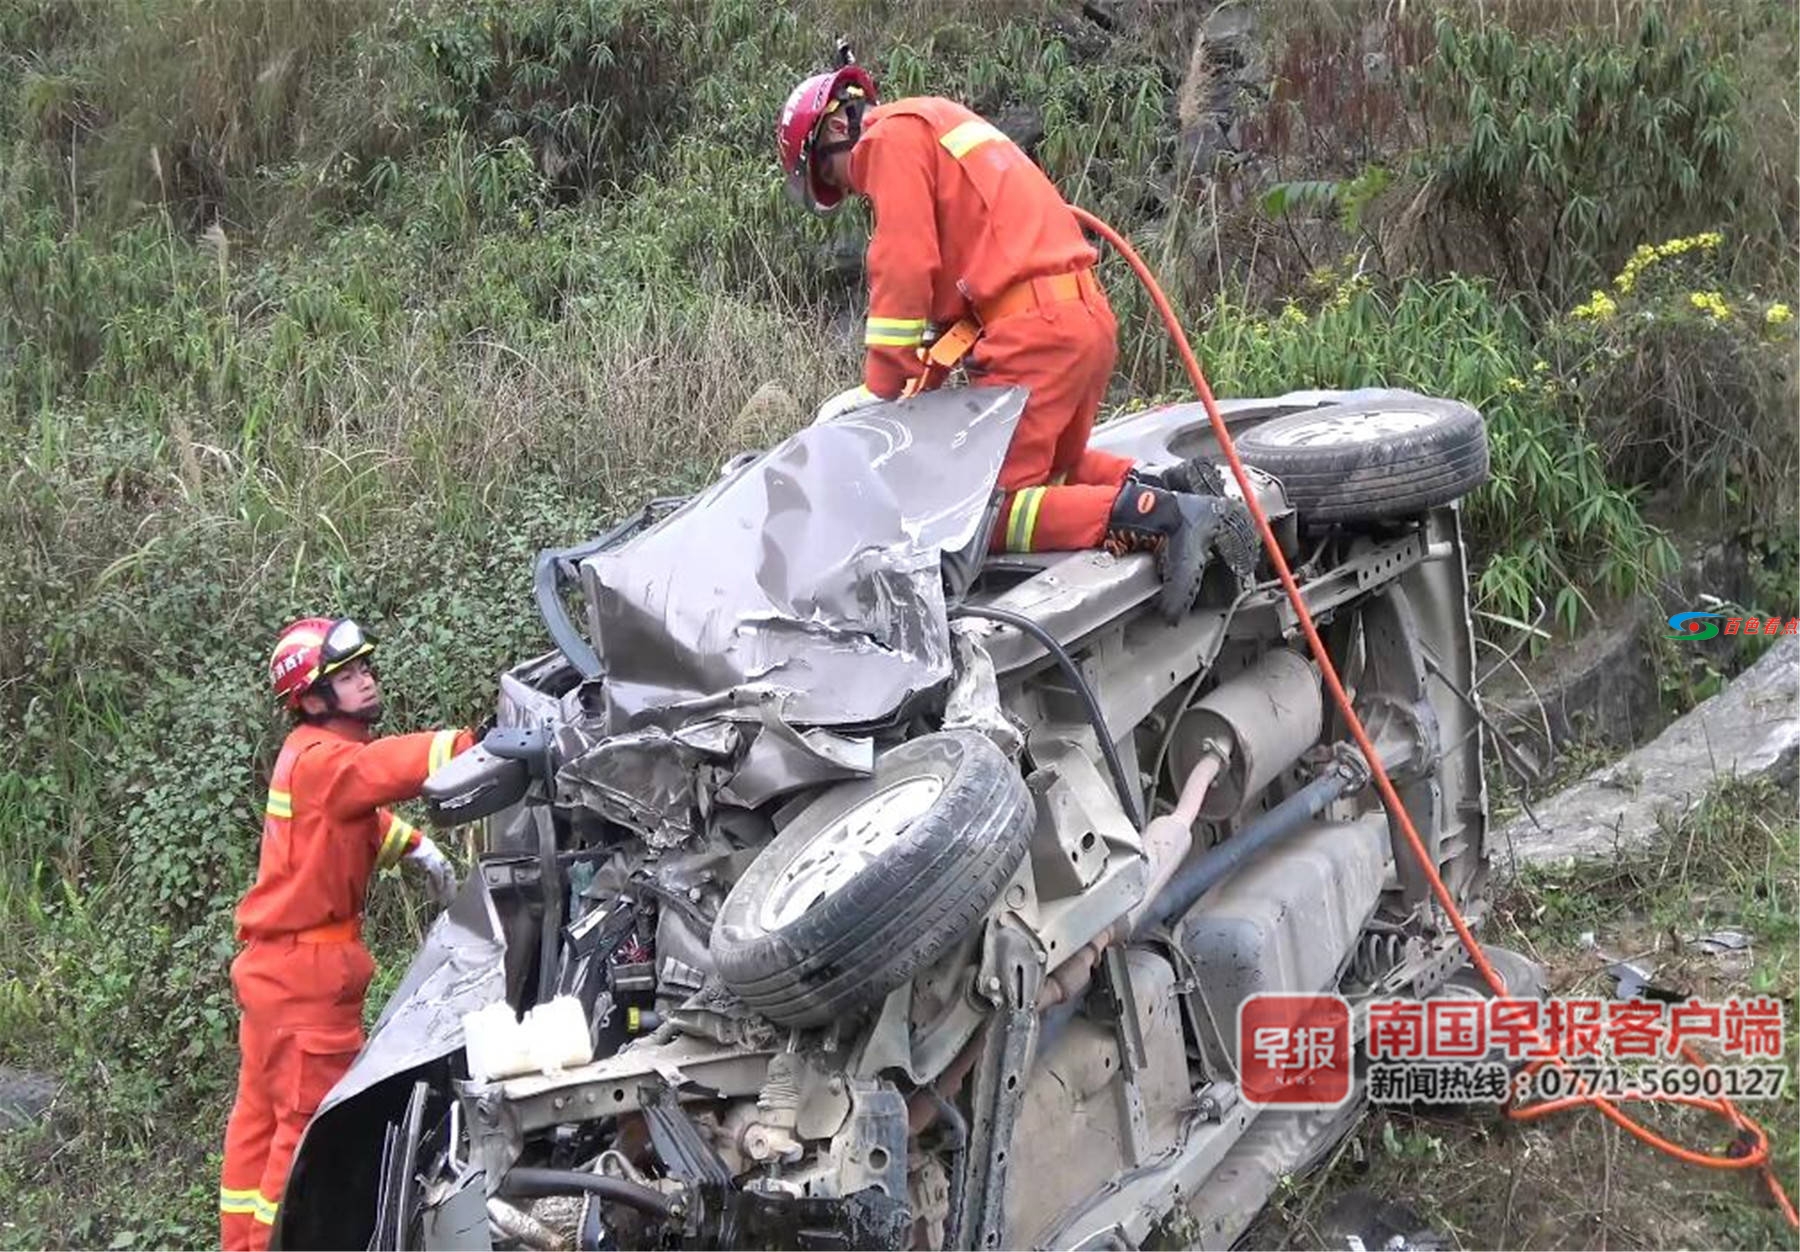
(814, 571)
(455, 1219)
(647, 779)
(974, 700)
(663, 783)
(782, 760)
(1721, 941)
(460, 967)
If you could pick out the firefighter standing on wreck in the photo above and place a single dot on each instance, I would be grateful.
(971, 235)
(302, 974)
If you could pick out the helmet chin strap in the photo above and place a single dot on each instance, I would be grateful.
(852, 106)
(368, 716)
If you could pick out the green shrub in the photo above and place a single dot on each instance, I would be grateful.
(1562, 146)
(1549, 523)
(1688, 386)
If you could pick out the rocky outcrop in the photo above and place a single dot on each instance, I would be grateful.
(1602, 687)
(1750, 728)
(25, 1097)
(1227, 80)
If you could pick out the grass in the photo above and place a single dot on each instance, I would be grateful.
(1575, 1180)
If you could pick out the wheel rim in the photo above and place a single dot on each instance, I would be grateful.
(1334, 431)
(845, 848)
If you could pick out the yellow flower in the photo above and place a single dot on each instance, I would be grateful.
(1540, 367)
(1645, 254)
(1776, 314)
(1599, 307)
(1291, 315)
(1352, 286)
(1711, 303)
(1514, 384)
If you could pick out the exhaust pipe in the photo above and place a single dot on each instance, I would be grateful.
(1248, 730)
(1346, 773)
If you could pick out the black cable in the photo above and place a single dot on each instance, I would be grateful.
(527, 1180)
(550, 887)
(1217, 864)
(1128, 796)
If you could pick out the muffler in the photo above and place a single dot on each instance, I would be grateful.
(1243, 734)
(1261, 721)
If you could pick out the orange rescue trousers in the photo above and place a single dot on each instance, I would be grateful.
(301, 1002)
(1059, 492)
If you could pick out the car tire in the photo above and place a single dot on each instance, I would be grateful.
(1372, 460)
(874, 880)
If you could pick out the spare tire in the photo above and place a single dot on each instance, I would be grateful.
(1389, 456)
(873, 880)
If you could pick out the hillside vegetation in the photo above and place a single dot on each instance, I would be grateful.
(355, 306)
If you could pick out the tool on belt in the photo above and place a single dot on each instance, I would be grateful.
(945, 353)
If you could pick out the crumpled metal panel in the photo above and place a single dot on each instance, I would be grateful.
(460, 967)
(781, 759)
(657, 781)
(814, 571)
(648, 780)
(974, 700)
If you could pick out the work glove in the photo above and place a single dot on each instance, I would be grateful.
(440, 875)
(847, 401)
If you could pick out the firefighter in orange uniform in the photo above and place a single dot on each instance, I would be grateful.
(971, 235)
(303, 970)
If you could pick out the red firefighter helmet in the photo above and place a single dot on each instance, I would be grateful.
(796, 133)
(313, 648)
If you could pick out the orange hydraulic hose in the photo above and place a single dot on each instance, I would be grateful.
(1758, 1156)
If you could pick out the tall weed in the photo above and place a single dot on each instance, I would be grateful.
(1562, 147)
(1550, 524)
(1689, 377)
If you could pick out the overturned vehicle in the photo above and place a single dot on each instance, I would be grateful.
(842, 884)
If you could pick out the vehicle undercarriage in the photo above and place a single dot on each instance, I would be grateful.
(845, 885)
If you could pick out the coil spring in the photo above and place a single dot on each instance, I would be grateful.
(781, 1089)
(1376, 955)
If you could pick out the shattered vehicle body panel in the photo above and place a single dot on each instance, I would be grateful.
(813, 571)
(882, 872)
(804, 590)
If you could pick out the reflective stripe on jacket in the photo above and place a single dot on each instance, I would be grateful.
(326, 827)
(961, 215)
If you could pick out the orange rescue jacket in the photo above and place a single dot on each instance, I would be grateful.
(961, 215)
(326, 829)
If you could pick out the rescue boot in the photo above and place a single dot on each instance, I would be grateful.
(1177, 529)
(1195, 476)
(1237, 542)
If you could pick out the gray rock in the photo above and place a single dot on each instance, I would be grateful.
(1602, 687)
(1752, 728)
(24, 1097)
(1231, 25)
(1599, 688)
(1023, 125)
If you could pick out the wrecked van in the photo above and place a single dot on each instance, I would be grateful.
(845, 885)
